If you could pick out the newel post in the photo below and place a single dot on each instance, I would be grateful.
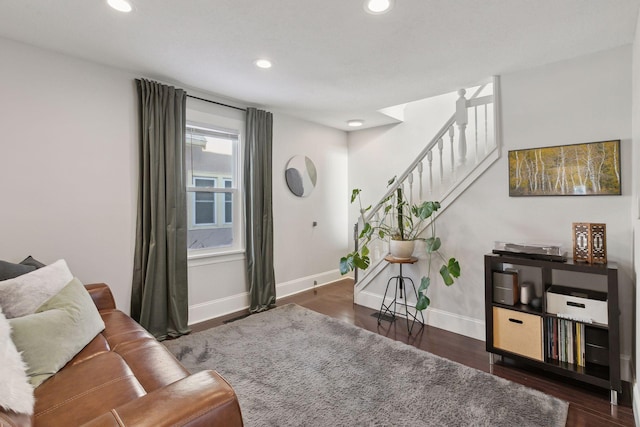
(462, 118)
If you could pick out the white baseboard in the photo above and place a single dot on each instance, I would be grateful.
(625, 368)
(452, 322)
(220, 307)
(636, 404)
(305, 283)
(457, 323)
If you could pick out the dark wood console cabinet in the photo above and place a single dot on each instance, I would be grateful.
(573, 346)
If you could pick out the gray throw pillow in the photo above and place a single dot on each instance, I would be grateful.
(32, 261)
(9, 270)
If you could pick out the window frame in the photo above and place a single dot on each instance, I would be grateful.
(225, 201)
(206, 189)
(225, 128)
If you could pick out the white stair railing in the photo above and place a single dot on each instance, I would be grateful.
(453, 176)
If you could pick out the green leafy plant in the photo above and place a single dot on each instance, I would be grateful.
(402, 221)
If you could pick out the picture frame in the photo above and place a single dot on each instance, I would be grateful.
(589, 169)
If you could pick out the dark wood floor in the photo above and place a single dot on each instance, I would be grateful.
(588, 406)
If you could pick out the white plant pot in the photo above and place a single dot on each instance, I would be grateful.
(402, 249)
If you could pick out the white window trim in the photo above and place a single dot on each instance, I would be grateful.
(234, 125)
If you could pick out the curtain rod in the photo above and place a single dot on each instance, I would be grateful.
(218, 103)
(208, 100)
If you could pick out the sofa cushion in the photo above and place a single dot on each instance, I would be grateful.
(152, 364)
(82, 392)
(97, 346)
(22, 295)
(121, 329)
(58, 330)
(16, 393)
(9, 270)
(202, 399)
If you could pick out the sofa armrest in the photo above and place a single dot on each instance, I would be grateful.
(102, 296)
(203, 399)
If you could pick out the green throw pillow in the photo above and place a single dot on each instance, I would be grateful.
(57, 331)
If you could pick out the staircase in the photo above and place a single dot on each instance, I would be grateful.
(465, 146)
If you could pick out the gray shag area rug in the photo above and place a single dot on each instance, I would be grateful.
(291, 366)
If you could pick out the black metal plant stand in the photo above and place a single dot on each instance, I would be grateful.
(400, 287)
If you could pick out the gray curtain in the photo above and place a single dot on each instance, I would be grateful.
(259, 212)
(159, 293)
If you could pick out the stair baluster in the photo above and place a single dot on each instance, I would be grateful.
(462, 119)
(430, 160)
(440, 147)
(420, 179)
(452, 131)
(410, 179)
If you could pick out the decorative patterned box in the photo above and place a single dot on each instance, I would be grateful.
(590, 242)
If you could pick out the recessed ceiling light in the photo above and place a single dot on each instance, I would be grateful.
(263, 63)
(378, 7)
(120, 5)
(355, 123)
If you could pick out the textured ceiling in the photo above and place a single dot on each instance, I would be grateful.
(332, 61)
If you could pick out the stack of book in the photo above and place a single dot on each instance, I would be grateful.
(565, 341)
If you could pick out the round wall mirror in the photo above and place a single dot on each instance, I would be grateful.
(300, 175)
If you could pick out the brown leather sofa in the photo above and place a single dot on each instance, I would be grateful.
(124, 377)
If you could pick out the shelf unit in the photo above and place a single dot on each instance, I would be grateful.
(521, 332)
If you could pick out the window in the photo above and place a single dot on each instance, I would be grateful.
(228, 203)
(211, 175)
(205, 203)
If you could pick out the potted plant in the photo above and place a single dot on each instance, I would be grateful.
(402, 222)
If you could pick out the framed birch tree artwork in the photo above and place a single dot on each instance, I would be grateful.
(591, 169)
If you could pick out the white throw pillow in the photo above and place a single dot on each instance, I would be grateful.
(16, 393)
(22, 295)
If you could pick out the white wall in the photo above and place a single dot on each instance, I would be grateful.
(68, 179)
(305, 253)
(378, 154)
(67, 165)
(580, 100)
(635, 211)
(585, 99)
